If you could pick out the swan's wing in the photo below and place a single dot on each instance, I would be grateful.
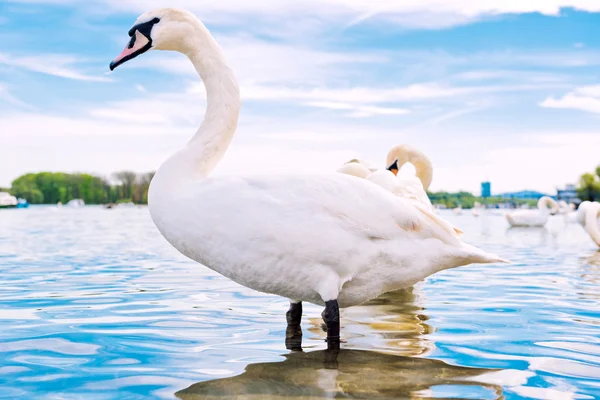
(367, 209)
(412, 188)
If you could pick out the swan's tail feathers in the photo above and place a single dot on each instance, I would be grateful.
(478, 256)
(458, 231)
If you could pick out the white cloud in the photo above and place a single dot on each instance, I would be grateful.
(259, 62)
(358, 111)
(408, 13)
(586, 98)
(163, 108)
(530, 166)
(50, 64)
(375, 95)
(9, 98)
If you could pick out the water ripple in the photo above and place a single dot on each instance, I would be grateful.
(96, 305)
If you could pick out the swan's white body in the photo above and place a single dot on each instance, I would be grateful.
(537, 217)
(305, 237)
(592, 222)
(355, 168)
(588, 215)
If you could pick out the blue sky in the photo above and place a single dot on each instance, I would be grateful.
(494, 90)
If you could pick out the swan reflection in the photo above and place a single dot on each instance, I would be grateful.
(393, 322)
(342, 374)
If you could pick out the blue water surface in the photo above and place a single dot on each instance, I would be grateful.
(95, 304)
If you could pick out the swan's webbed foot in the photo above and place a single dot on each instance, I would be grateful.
(331, 316)
(293, 333)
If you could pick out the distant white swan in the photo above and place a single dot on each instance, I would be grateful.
(458, 210)
(537, 217)
(592, 222)
(588, 216)
(329, 239)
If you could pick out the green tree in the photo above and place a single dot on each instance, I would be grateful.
(52, 187)
(589, 187)
(127, 180)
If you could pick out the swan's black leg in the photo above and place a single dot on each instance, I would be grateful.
(331, 316)
(293, 333)
(294, 314)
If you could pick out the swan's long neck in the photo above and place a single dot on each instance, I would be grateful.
(423, 167)
(206, 148)
(424, 171)
(548, 205)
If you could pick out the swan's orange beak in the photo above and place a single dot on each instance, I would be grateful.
(394, 167)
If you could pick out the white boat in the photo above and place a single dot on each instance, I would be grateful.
(7, 201)
(75, 203)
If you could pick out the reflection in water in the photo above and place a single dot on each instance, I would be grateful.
(342, 374)
(594, 259)
(528, 235)
(394, 321)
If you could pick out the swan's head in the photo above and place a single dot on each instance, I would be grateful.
(548, 204)
(161, 29)
(402, 154)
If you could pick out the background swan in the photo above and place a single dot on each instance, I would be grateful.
(328, 239)
(457, 210)
(588, 216)
(355, 168)
(536, 217)
(410, 187)
(592, 221)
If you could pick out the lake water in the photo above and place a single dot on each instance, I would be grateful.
(94, 304)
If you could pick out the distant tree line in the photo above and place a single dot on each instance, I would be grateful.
(468, 200)
(52, 187)
(128, 186)
(589, 186)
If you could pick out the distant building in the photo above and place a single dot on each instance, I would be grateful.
(486, 189)
(568, 194)
(523, 195)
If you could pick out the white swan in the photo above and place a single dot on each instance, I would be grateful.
(328, 239)
(355, 168)
(413, 188)
(588, 216)
(537, 217)
(410, 187)
(592, 221)
(457, 210)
